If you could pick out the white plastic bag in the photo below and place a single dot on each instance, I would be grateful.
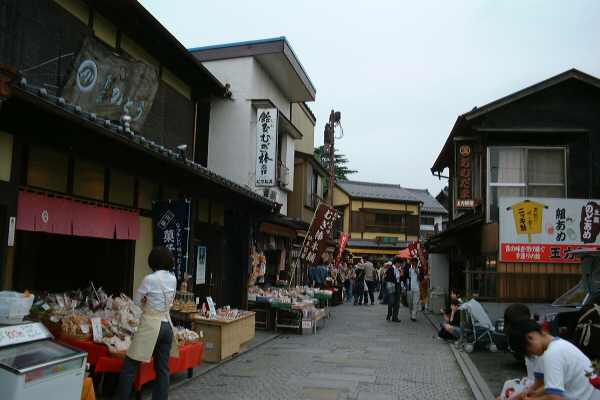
(512, 388)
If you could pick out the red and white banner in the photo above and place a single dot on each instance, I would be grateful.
(343, 242)
(545, 253)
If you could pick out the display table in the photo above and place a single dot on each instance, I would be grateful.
(223, 339)
(190, 356)
(94, 350)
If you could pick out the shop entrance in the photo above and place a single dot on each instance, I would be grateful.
(55, 263)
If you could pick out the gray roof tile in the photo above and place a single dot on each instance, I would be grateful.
(377, 191)
(430, 204)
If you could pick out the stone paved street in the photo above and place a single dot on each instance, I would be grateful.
(358, 355)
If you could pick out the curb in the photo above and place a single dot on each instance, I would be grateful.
(477, 384)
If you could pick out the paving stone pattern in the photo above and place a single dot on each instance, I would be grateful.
(356, 356)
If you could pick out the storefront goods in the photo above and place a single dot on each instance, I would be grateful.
(185, 302)
(14, 306)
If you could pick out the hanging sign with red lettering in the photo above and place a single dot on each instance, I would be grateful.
(464, 173)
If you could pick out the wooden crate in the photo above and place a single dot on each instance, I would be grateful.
(223, 339)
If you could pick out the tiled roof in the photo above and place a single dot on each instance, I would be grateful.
(136, 140)
(430, 204)
(377, 191)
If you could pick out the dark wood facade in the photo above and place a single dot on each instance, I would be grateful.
(560, 112)
(39, 39)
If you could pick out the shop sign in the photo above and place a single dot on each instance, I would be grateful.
(266, 146)
(110, 84)
(343, 242)
(172, 230)
(315, 242)
(200, 265)
(464, 190)
(547, 229)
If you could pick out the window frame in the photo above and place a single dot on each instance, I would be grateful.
(525, 184)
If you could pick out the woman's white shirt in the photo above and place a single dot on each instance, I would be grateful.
(159, 290)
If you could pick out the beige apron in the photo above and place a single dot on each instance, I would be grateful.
(144, 340)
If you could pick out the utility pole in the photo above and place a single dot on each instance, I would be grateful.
(334, 119)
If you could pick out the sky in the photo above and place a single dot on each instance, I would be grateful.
(401, 72)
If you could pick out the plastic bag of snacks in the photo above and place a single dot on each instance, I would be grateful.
(512, 388)
(14, 306)
(76, 327)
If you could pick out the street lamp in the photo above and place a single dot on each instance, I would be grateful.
(334, 120)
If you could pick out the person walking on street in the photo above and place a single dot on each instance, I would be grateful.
(350, 278)
(413, 288)
(392, 287)
(359, 284)
(370, 279)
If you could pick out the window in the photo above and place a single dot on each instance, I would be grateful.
(389, 219)
(89, 179)
(524, 172)
(428, 221)
(47, 169)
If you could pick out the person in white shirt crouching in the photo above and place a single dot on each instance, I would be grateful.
(564, 365)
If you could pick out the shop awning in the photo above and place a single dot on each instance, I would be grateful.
(63, 216)
(386, 252)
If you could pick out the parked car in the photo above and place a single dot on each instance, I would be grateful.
(581, 324)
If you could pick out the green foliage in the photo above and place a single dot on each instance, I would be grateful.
(341, 161)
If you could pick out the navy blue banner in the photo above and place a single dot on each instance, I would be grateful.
(172, 230)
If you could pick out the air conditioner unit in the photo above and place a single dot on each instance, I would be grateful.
(284, 176)
(273, 195)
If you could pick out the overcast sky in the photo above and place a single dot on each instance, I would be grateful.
(401, 72)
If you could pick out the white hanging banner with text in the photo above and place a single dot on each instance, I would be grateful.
(266, 146)
(547, 229)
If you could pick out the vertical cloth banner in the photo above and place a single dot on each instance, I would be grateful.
(172, 230)
(343, 242)
(266, 146)
(110, 84)
(319, 233)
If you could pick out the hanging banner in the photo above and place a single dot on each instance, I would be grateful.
(547, 229)
(266, 146)
(110, 84)
(343, 242)
(315, 242)
(464, 172)
(172, 230)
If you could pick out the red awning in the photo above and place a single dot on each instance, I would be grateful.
(404, 253)
(39, 213)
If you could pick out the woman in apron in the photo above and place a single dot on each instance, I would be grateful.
(155, 335)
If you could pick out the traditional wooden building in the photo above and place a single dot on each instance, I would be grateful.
(381, 218)
(540, 142)
(77, 189)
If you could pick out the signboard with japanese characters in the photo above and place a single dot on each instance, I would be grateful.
(266, 146)
(172, 230)
(547, 229)
(316, 240)
(464, 173)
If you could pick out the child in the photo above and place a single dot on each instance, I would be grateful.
(564, 365)
(534, 383)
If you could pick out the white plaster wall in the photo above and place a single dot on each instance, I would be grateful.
(231, 146)
(439, 268)
(232, 140)
(262, 87)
